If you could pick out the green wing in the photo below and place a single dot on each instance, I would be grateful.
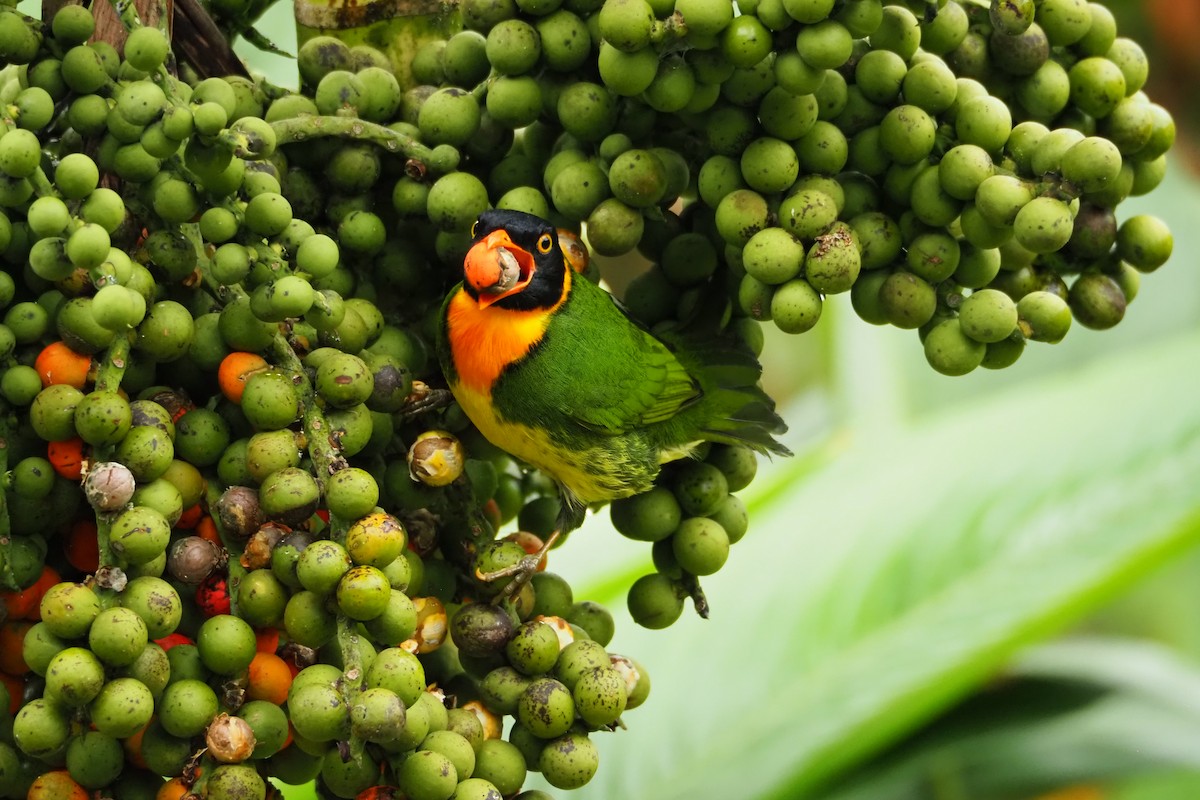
(598, 369)
(655, 392)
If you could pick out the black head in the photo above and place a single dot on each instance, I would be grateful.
(515, 262)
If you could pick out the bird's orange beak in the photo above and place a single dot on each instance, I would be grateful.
(496, 267)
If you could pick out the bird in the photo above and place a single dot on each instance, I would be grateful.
(551, 369)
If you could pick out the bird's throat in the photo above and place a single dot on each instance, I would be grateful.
(484, 342)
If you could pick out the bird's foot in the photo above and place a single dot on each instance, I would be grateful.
(521, 572)
(425, 398)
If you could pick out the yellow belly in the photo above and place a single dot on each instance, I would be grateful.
(583, 472)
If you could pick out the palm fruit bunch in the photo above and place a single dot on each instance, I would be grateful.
(954, 166)
(238, 538)
(243, 531)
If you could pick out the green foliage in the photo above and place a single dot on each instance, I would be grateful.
(1082, 710)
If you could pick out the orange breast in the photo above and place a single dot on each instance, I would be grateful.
(485, 341)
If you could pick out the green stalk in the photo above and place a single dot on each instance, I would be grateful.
(112, 369)
(326, 460)
(108, 379)
(352, 672)
(42, 186)
(128, 14)
(303, 128)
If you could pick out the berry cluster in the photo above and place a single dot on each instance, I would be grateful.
(692, 517)
(239, 539)
(954, 167)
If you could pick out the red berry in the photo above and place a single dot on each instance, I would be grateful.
(171, 640)
(212, 596)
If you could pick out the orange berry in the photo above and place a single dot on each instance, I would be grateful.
(267, 640)
(174, 789)
(67, 458)
(83, 551)
(12, 640)
(48, 578)
(207, 529)
(26, 604)
(57, 785)
(236, 368)
(58, 363)
(491, 511)
(17, 605)
(269, 679)
(190, 518)
(133, 746)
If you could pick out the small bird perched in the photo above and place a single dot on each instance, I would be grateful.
(552, 370)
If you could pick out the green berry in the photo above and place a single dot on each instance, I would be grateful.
(1044, 317)
(950, 351)
(655, 601)
(569, 761)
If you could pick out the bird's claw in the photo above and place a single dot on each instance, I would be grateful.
(521, 572)
(425, 398)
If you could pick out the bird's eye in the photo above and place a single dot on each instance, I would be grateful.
(544, 243)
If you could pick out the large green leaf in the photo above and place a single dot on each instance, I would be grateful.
(1076, 711)
(879, 590)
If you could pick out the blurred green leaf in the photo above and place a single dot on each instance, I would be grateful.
(1180, 785)
(902, 575)
(1071, 712)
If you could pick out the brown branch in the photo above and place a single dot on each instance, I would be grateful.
(199, 42)
(110, 28)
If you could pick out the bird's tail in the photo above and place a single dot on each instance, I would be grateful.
(734, 409)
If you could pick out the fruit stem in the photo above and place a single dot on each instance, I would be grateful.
(127, 11)
(42, 186)
(667, 32)
(112, 370)
(104, 559)
(480, 91)
(223, 294)
(108, 379)
(463, 528)
(324, 453)
(300, 129)
(326, 460)
(352, 671)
